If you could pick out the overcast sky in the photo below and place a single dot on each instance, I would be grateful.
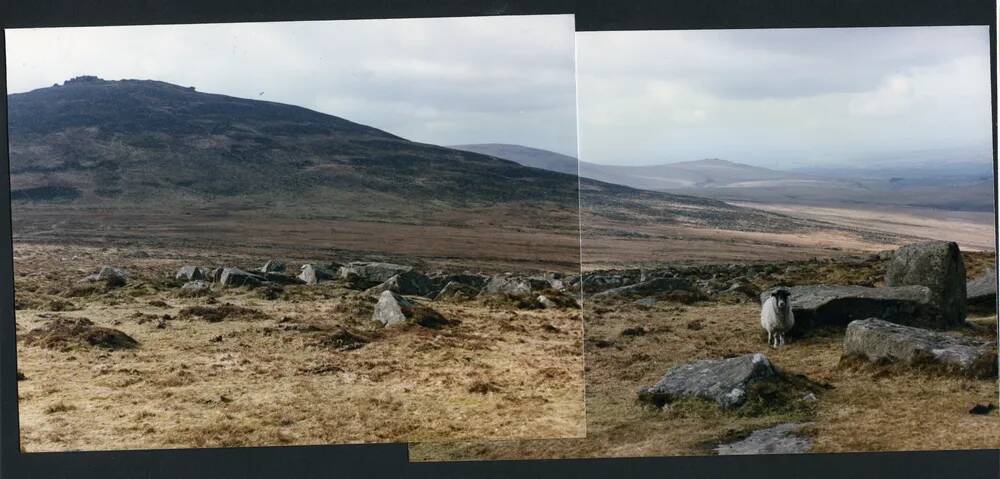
(442, 81)
(783, 98)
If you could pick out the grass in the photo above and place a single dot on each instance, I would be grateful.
(306, 369)
(858, 409)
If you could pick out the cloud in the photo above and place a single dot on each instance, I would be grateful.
(442, 80)
(782, 97)
(891, 98)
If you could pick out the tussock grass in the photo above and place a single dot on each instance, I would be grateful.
(246, 371)
(865, 408)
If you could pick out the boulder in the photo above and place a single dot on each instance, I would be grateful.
(546, 302)
(196, 288)
(367, 274)
(646, 288)
(647, 301)
(310, 274)
(111, 276)
(476, 281)
(192, 273)
(456, 290)
(835, 305)
(407, 282)
(392, 309)
(981, 293)
(780, 439)
(514, 285)
(273, 266)
(884, 342)
(237, 277)
(938, 265)
(724, 381)
(215, 275)
(599, 281)
(280, 278)
(742, 289)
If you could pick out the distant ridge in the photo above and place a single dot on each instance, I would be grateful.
(947, 185)
(527, 156)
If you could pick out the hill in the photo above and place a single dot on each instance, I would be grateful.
(92, 141)
(917, 181)
(527, 156)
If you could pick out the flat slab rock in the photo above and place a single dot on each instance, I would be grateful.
(882, 341)
(780, 439)
(724, 381)
(407, 282)
(237, 277)
(515, 285)
(645, 288)
(824, 305)
(369, 274)
(981, 293)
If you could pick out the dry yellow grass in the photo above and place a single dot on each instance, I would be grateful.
(501, 373)
(867, 409)
(973, 230)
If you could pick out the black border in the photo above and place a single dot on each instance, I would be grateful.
(390, 460)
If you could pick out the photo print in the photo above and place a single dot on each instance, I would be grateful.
(262, 234)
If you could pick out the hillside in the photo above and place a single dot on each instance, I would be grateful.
(91, 141)
(527, 156)
(919, 182)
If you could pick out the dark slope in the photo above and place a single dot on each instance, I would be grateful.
(91, 140)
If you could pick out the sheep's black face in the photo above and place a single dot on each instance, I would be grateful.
(781, 297)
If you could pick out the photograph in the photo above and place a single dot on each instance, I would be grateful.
(788, 243)
(294, 233)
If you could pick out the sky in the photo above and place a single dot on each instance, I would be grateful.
(443, 81)
(785, 98)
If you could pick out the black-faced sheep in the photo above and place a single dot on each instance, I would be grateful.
(776, 317)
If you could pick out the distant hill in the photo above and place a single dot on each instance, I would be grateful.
(950, 185)
(708, 173)
(700, 173)
(533, 157)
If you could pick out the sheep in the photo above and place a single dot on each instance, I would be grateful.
(776, 317)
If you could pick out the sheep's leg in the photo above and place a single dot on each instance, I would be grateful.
(781, 339)
(769, 336)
